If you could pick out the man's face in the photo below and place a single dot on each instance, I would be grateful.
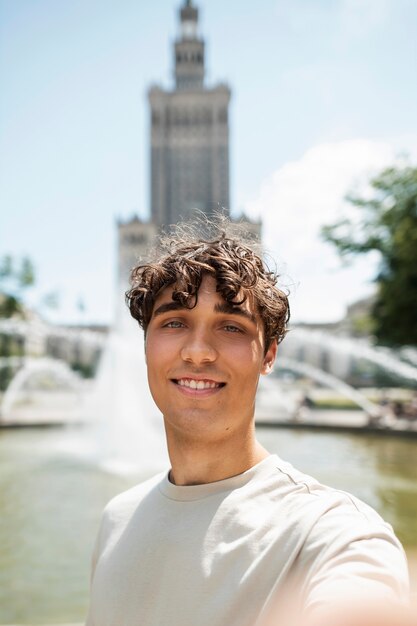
(204, 363)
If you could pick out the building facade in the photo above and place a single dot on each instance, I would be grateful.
(135, 239)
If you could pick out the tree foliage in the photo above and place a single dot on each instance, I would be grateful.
(15, 277)
(387, 223)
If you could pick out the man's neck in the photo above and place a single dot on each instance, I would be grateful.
(195, 463)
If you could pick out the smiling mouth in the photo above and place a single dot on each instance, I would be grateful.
(191, 383)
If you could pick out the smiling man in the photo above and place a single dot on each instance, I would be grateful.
(231, 535)
(203, 366)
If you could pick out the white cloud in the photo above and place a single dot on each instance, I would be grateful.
(296, 201)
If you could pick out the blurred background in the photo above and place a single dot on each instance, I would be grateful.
(297, 119)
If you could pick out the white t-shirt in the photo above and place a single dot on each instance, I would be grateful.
(224, 553)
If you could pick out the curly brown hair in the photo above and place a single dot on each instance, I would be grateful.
(184, 256)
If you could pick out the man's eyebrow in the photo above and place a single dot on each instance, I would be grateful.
(220, 307)
(228, 308)
(168, 306)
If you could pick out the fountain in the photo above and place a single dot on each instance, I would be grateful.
(333, 382)
(126, 424)
(43, 391)
(329, 360)
(341, 350)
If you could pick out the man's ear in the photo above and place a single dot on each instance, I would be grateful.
(269, 358)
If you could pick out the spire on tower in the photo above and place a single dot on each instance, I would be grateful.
(189, 50)
(189, 20)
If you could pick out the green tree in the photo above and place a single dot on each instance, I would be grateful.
(15, 278)
(387, 223)
(26, 273)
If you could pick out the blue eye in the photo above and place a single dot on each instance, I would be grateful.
(173, 324)
(232, 329)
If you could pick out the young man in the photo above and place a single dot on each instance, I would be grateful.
(231, 535)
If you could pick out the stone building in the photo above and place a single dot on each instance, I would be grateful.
(135, 239)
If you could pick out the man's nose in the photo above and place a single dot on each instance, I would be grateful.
(198, 348)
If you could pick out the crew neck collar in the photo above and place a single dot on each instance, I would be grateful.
(187, 493)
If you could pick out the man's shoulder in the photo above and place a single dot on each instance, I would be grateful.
(126, 502)
(325, 505)
(340, 538)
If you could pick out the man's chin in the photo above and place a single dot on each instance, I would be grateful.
(195, 422)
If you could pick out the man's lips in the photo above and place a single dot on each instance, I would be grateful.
(197, 384)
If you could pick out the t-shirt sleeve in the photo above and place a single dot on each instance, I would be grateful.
(352, 555)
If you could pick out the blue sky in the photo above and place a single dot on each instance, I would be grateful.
(324, 94)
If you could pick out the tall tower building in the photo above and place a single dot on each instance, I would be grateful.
(189, 134)
(189, 149)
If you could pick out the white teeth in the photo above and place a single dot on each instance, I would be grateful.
(197, 384)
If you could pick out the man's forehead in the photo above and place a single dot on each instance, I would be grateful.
(208, 287)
